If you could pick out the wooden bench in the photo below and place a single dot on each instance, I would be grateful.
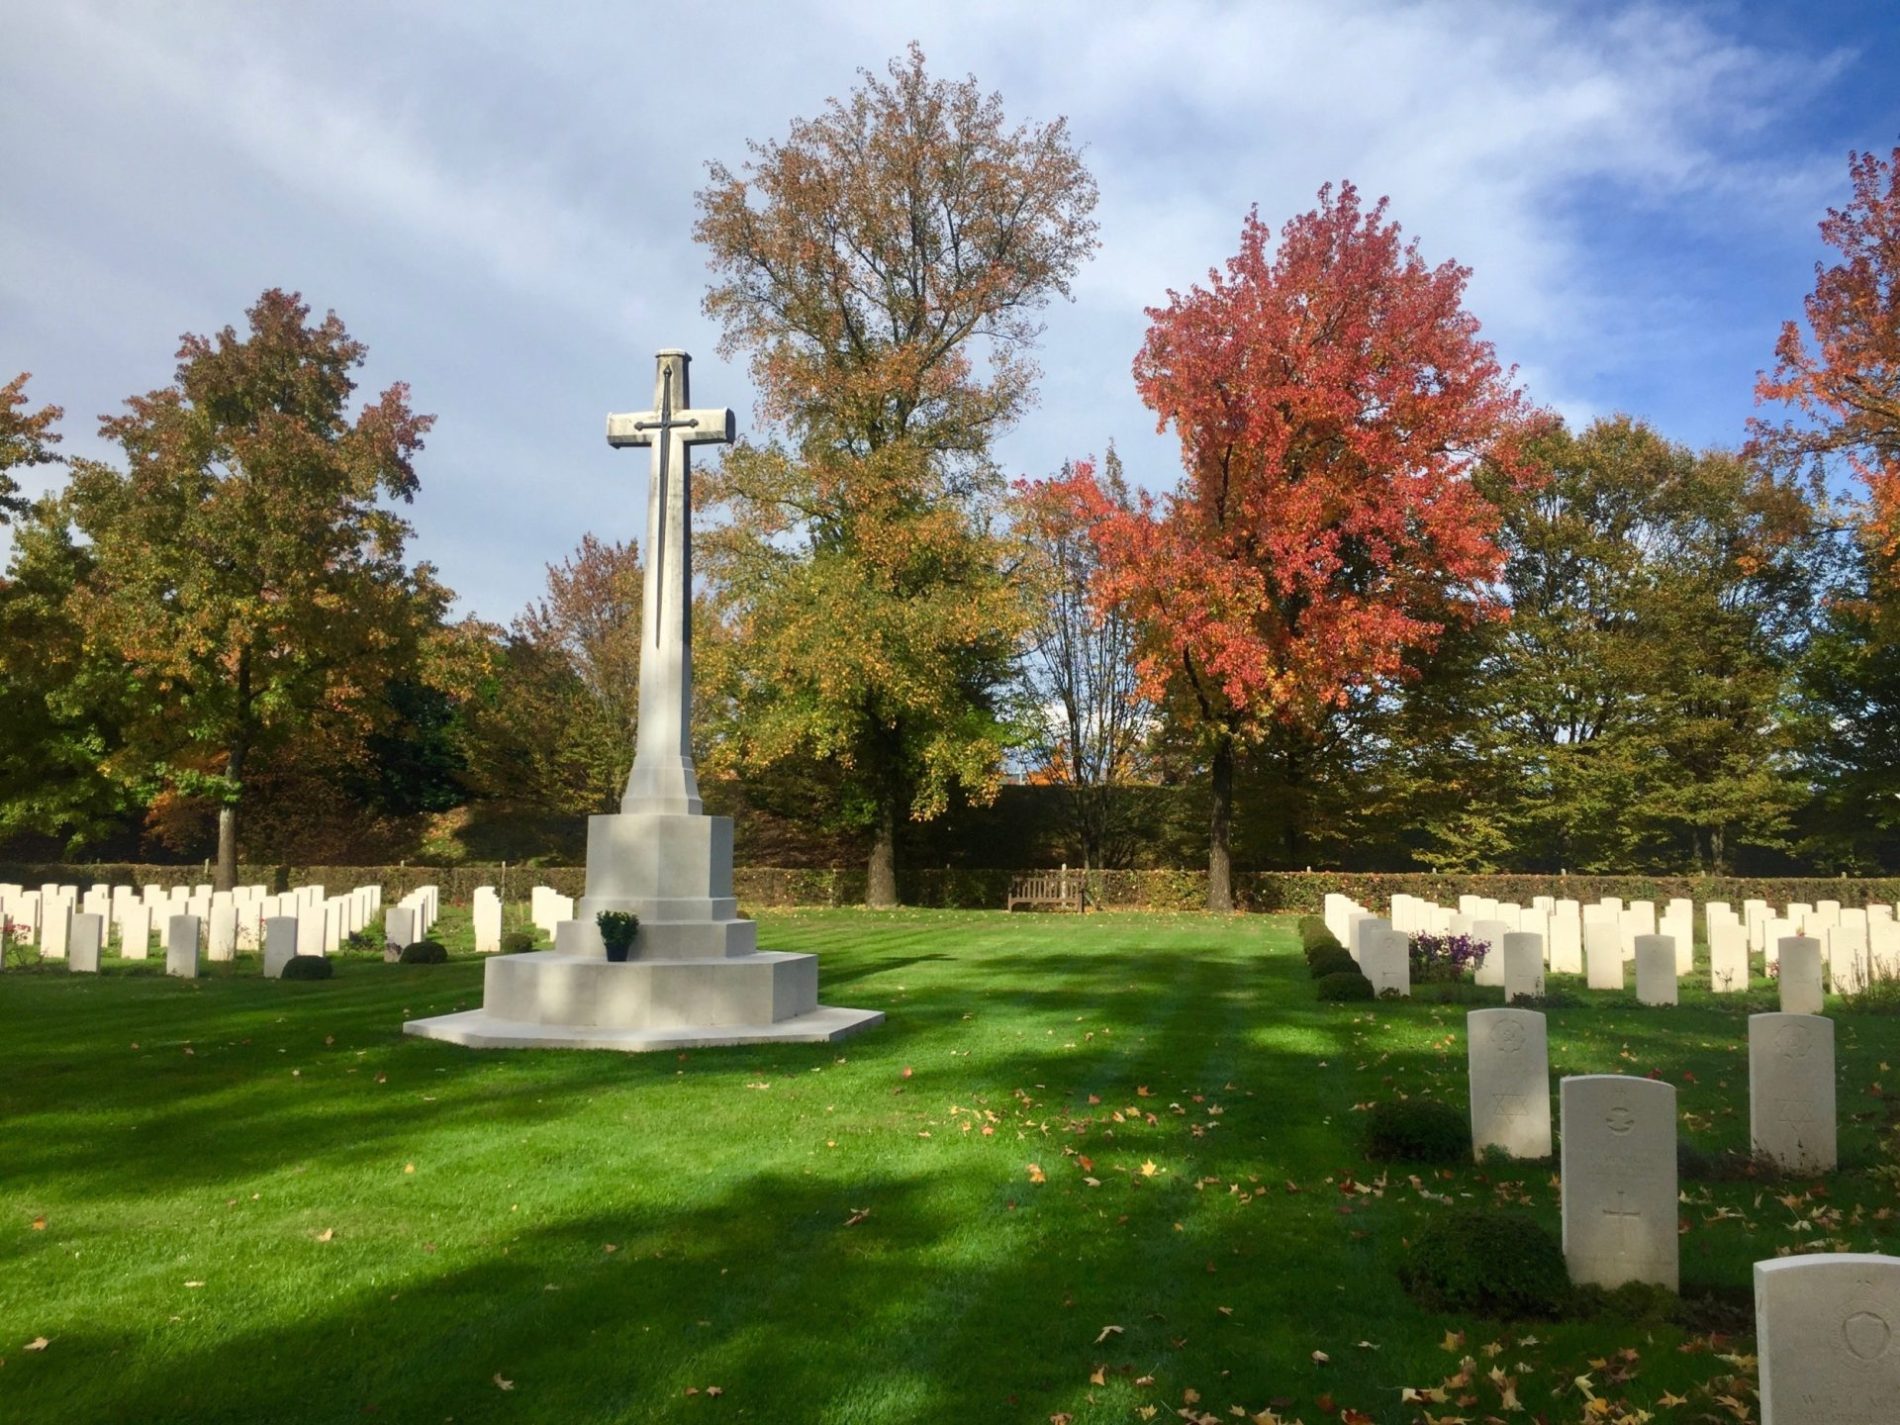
(1056, 890)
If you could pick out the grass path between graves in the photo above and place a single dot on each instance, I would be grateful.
(1090, 1170)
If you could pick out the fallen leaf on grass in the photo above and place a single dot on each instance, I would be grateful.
(858, 1214)
(1320, 1358)
(39, 1224)
(1148, 1169)
(194, 1284)
(38, 1343)
(715, 1390)
(327, 1234)
(1106, 1332)
(408, 1167)
(503, 1383)
(1036, 1173)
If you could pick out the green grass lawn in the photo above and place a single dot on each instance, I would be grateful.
(1099, 1169)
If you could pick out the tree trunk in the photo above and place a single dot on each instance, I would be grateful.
(880, 887)
(225, 878)
(1220, 867)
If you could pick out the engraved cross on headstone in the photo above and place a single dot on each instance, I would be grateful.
(1624, 1217)
(662, 779)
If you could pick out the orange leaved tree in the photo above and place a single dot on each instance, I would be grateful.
(1847, 387)
(1332, 398)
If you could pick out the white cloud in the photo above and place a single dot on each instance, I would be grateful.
(499, 197)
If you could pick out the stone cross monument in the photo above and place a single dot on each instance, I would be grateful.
(696, 975)
(662, 779)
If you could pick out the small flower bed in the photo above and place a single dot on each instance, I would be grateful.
(1446, 957)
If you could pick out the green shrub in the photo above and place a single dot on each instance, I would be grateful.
(425, 952)
(307, 967)
(1314, 935)
(1499, 1264)
(1322, 963)
(1344, 986)
(516, 941)
(1417, 1130)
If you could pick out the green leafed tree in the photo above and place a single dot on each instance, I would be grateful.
(1631, 712)
(882, 270)
(554, 724)
(247, 567)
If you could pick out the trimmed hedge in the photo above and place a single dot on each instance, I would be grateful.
(307, 967)
(424, 952)
(1505, 1265)
(1331, 960)
(1417, 1130)
(1346, 987)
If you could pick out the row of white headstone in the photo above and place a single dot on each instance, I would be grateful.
(547, 908)
(304, 920)
(1825, 1325)
(1854, 946)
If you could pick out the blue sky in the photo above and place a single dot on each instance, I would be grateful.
(497, 198)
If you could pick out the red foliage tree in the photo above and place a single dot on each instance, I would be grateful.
(1331, 399)
(1847, 388)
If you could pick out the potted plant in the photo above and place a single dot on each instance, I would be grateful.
(617, 929)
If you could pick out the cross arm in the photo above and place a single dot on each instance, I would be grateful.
(707, 426)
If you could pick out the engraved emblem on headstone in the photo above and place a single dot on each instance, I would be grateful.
(1867, 1335)
(1793, 1043)
(1507, 1037)
(1619, 1119)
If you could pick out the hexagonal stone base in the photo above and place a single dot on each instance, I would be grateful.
(477, 1029)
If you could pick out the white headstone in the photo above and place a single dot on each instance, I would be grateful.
(1849, 965)
(1523, 965)
(181, 946)
(1799, 975)
(1491, 968)
(1603, 954)
(135, 931)
(1655, 969)
(1827, 1334)
(221, 937)
(1508, 1056)
(1386, 960)
(1791, 1090)
(487, 914)
(1679, 926)
(1728, 961)
(312, 929)
(282, 933)
(56, 929)
(1619, 1180)
(399, 926)
(1566, 938)
(88, 934)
